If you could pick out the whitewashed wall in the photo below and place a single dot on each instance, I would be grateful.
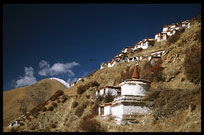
(101, 67)
(146, 45)
(101, 92)
(173, 26)
(165, 29)
(107, 110)
(156, 36)
(117, 110)
(189, 25)
(109, 65)
(135, 109)
(135, 88)
(111, 91)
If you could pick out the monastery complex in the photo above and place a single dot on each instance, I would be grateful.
(168, 31)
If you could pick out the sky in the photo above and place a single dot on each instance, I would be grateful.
(69, 41)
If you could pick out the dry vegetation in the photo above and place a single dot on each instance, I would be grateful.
(175, 92)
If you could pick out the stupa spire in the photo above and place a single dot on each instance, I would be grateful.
(135, 74)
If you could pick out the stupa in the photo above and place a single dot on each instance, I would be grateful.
(133, 99)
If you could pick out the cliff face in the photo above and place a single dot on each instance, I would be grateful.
(175, 91)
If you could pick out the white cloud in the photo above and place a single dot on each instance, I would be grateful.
(43, 63)
(56, 69)
(27, 79)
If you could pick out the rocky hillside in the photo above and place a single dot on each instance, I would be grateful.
(20, 100)
(175, 92)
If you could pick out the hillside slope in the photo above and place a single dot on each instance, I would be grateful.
(20, 100)
(175, 92)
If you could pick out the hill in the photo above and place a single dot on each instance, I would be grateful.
(175, 92)
(20, 100)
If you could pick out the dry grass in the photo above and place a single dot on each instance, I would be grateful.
(26, 98)
(82, 88)
(192, 65)
(170, 105)
(91, 125)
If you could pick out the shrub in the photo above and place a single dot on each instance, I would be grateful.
(64, 99)
(91, 125)
(34, 112)
(168, 101)
(53, 125)
(33, 127)
(82, 88)
(74, 104)
(59, 93)
(43, 109)
(56, 95)
(22, 124)
(54, 104)
(50, 108)
(192, 65)
(80, 110)
(13, 129)
(94, 110)
(53, 98)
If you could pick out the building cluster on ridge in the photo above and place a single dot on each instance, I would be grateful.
(168, 31)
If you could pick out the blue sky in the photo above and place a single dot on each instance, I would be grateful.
(58, 40)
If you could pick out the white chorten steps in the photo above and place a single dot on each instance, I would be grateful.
(132, 103)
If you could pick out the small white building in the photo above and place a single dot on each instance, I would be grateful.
(186, 24)
(103, 65)
(109, 64)
(145, 43)
(161, 36)
(14, 124)
(165, 28)
(127, 49)
(138, 45)
(108, 90)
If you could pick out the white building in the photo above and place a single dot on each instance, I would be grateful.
(127, 49)
(186, 24)
(108, 90)
(107, 109)
(14, 124)
(161, 36)
(131, 101)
